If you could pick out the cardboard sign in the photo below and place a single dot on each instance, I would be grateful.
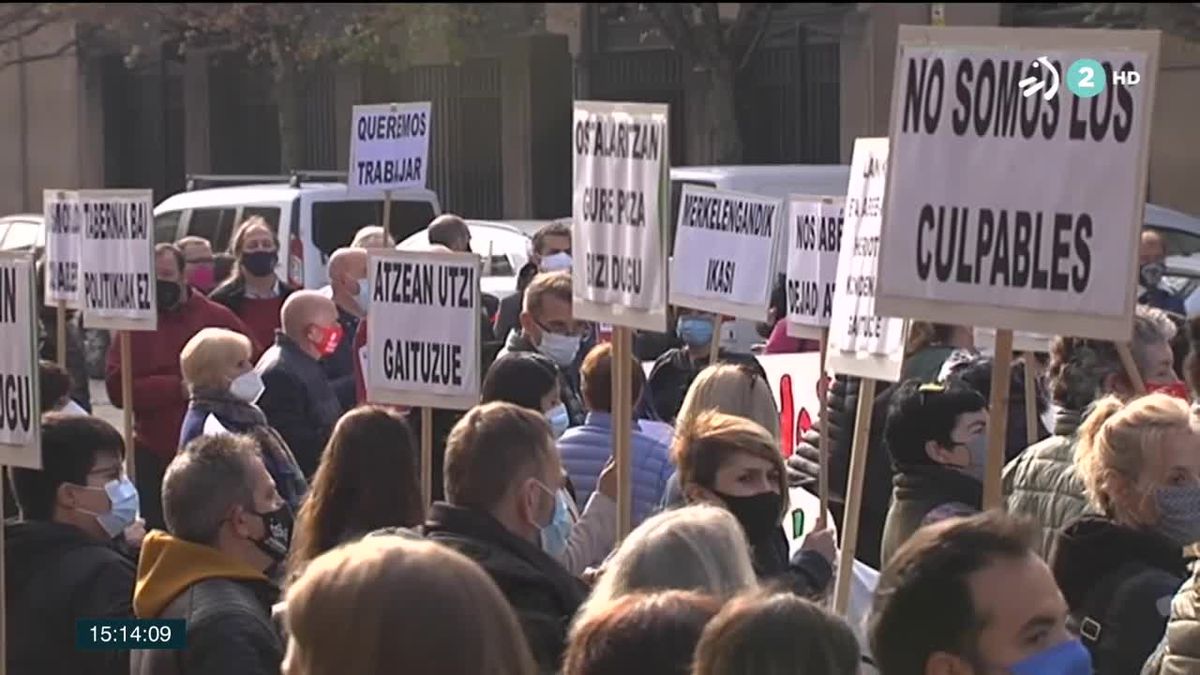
(118, 259)
(389, 146)
(64, 226)
(724, 248)
(423, 329)
(20, 400)
(620, 210)
(814, 230)
(862, 343)
(1014, 211)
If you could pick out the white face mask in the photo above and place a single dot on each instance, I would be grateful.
(556, 261)
(561, 349)
(247, 387)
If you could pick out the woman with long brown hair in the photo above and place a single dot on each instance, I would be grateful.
(255, 293)
(367, 480)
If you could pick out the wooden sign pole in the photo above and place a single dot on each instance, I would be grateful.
(60, 334)
(1131, 369)
(714, 350)
(387, 214)
(622, 416)
(823, 448)
(1031, 408)
(426, 456)
(127, 401)
(854, 490)
(993, 492)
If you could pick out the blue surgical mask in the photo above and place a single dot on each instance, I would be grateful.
(557, 532)
(695, 331)
(1064, 658)
(364, 295)
(559, 419)
(124, 498)
(561, 349)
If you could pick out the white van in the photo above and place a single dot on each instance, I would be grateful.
(311, 219)
(775, 181)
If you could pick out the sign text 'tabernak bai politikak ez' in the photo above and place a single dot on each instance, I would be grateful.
(620, 157)
(118, 259)
(1014, 211)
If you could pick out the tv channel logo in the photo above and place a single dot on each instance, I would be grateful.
(1085, 78)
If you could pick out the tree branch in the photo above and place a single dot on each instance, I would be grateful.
(61, 50)
(674, 24)
(759, 26)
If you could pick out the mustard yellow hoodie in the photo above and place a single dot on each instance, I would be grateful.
(168, 566)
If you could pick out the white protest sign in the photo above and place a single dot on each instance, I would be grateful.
(118, 260)
(1012, 211)
(63, 223)
(862, 343)
(620, 211)
(985, 341)
(724, 246)
(814, 230)
(389, 146)
(20, 401)
(423, 329)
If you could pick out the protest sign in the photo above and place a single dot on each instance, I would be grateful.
(620, 210)
(725, 245)
(423, 329)
(862, 343)
(1016, 211)
(814, 231)
(118, 259)
(389, 146)
(20, 402)
(63, 223)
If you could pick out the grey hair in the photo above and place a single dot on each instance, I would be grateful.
(695, 548)
(1079, 367)
(208, 477)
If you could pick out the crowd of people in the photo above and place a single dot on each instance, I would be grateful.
(280, 514)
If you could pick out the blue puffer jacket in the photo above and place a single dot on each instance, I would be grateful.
(585, 449)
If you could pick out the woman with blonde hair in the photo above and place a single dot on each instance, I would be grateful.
(394, 605)
(1140, 465)
(696, 548)
(224, 389)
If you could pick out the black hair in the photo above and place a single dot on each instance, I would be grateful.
(54, 384)
(70, 446)
(520, 378)
(922, 412)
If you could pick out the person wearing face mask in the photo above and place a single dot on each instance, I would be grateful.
(297, 397)
(548, 327)
(198, 263)
(349, 291)
(502, 478)
(1119, 568)
(225, 388)
(254, 292)
(734, 463)
(62, 558)
(228, 532)
(577, 540)
(160, 397)
(674, 371)
(936, 435)
(971, 596)
(1152, 256)
(549, 251)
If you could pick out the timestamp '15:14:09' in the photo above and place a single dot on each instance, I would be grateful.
(115, 634)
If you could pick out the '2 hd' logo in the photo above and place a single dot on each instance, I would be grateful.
(1085, 78)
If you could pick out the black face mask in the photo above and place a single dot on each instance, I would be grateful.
(260, 263)
(758, 514)
(278, 539)
(167, 295)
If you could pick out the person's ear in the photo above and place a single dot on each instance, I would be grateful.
(66, 496)
(938, 453)
(943, 663)
(528, 325)
(698, 494)
(240, 519)
(527, 501)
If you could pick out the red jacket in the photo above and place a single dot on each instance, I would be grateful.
(159, 400)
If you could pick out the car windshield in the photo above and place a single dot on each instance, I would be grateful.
(335, 223)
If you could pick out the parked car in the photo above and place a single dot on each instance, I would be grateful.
(23, 232)
(1181, 232)
(311, 214)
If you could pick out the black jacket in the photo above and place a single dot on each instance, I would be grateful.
(673, 373)
(917, 492)
(339, 366)
(298, 400)
(56, 574)
(1122, 578)
(233, 292)
(542, 593)
(568, 378)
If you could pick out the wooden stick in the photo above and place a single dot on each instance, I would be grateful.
(1031, 411)
(1131, 369)
(387, 214)
(622, 415)
(60, 334)
(714, 350)
(127, 401)
(854, 490)
(823, 478)
(3, 590)
(993, 492)
(427, 456)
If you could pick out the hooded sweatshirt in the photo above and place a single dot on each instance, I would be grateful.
(226, 603)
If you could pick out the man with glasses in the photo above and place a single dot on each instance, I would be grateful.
(549, 328)
(198, 263)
